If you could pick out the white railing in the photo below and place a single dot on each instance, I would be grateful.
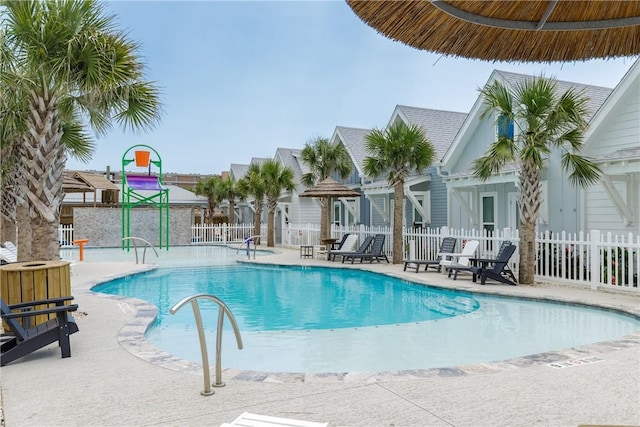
(222, 234)
(65, 235)
(593, 259)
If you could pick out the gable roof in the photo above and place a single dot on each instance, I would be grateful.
(290, 157)
(596, 94)
(441, 127)
(629, 81)
(238, 171)
(353, 140)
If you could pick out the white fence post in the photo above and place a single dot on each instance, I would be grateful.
(595, 259)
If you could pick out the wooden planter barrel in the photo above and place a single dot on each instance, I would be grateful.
(35, 280)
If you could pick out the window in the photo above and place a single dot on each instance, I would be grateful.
(337, 212)
(417, 213)
(488, 206)
(514, 211)
(505, 127)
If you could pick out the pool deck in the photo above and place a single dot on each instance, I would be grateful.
(114, 378)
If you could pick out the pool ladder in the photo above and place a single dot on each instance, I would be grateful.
(248, 242)
(135, 246)
(222, 309)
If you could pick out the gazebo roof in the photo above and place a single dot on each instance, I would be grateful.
(509, 30)
(329, 188)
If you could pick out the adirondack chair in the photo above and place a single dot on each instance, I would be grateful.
(447, 246)
(376, 253)
(348, 246)
(364, 246)
(499, 269)
(462, 258)
(476, 264)
(23, 339)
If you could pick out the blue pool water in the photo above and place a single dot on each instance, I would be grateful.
(297, 319)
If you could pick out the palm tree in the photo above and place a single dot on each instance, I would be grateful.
(211, 188)
(546, 120)
(253, 184)
(397, 151)
(277, 178)
(75, 67)
(230, 190)
(324, 158)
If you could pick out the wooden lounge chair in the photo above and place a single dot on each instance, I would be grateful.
(460, 259)
(24, 340)
(348, 246)
(375, 254)
(476, 264)
(447, 246)
(362, 249)
(499, 269)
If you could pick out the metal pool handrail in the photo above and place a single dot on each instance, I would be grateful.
(135, 246)
(222, 309)
(247, 242)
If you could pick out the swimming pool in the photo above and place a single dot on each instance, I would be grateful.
(285, 313)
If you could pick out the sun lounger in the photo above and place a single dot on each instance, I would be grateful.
(350, 247)
(375, 254)
(447, 246)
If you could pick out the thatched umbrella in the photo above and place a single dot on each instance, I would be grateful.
(508, 30)
(327, 189)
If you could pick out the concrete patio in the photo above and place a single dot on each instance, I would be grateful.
(114, 378)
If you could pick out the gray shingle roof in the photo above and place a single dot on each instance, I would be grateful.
(291, 157)
(354, 141)
(626, 154)
(441, 127)
(596, 94)
(238, 171)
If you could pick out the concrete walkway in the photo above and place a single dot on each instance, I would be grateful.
(114, 378)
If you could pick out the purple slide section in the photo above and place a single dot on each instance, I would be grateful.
(138, 182)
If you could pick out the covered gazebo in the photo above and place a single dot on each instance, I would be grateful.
(509, 30)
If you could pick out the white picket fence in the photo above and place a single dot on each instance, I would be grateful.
(593, 259)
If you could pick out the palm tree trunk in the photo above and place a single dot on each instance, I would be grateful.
(271, 222)
(42, 174)
(398, 207)
(257, 220)
(232, 212)
(324, 218)
(529, 209)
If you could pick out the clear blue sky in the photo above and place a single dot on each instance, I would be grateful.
(241, 78)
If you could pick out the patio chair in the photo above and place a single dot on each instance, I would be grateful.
(248, 419)
(7, 256)
(9, 245)
(362, 249)
(23, 339)
(447, 246)
(460, 259)
(349, 246)
(499, 270)
(475, 264)
(376, 253)
(338, 245)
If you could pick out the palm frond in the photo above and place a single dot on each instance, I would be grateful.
(584, 171)
(498, 154)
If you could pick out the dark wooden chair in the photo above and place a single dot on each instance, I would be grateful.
(364, 246)
(375, 254)
(493, 268)
(498, 269)
(23, 339)
(447, 246)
